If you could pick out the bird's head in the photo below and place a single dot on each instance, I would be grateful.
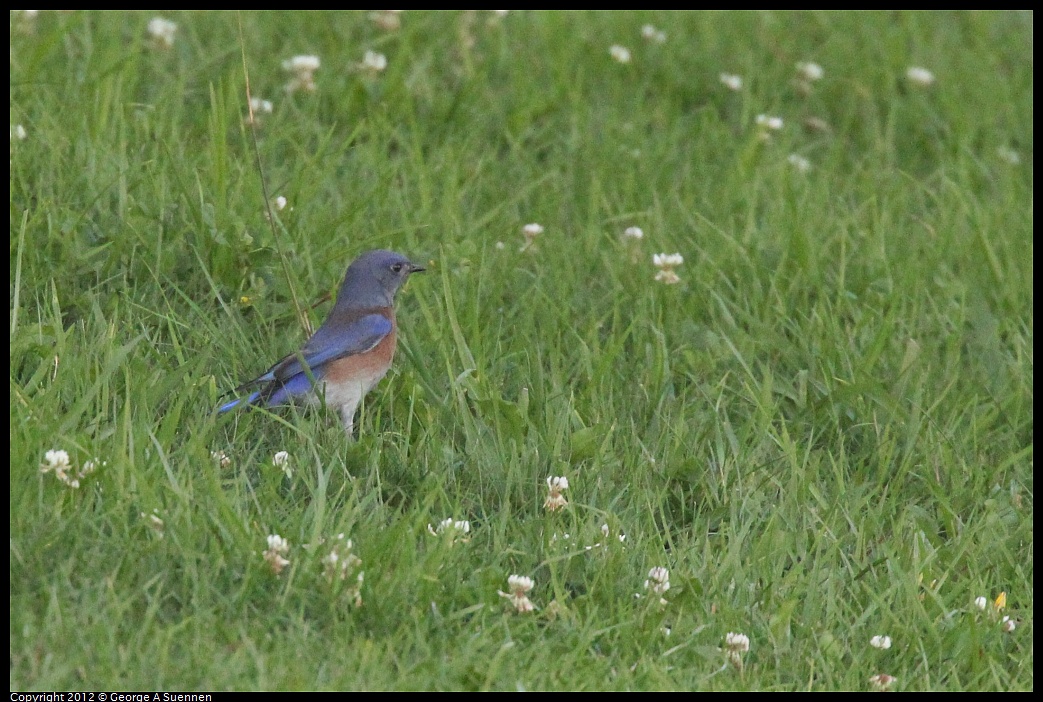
(374, 277)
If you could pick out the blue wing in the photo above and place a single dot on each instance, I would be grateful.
(289, 376)
(330, 343)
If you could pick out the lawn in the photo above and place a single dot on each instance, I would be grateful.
(758, 286)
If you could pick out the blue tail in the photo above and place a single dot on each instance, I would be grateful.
(297, 385)
(235, 403)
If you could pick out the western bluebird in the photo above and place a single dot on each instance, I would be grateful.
(353, 348)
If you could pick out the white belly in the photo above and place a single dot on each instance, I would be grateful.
(346, 395)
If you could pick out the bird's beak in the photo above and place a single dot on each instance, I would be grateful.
(414, 268)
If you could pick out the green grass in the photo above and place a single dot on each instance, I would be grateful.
(824, 431)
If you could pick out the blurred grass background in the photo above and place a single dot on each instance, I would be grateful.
(824, 431)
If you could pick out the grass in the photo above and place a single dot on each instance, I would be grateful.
(824, 431)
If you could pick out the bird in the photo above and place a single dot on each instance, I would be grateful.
(351, 352)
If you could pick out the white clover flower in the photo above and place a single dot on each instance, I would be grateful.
(810, 71)
(981, 603)
(801, 164)
(56, 460)
(807, 73)
(882, 681)
(520, 583)
(633, 233)
(303, 69)
(739, 643)
(619, 53)
(666, 264)
(388, 20)
(258, 107)
(530, 232)
(731, 81)
(302, 63)
(18, 132)
(650, 33)
(881, 642)
(220, 458)
(735, 645)
(91, 466)
(1008, 625)
(162, 31)
(500, 246)
(1004, 152)
(769, 122)
(282, 459)
(658, 582)
(279, 203)
(920, 77)
(275, 555)
(555, 500)
(663, 260)
(461, 525)
(766, 124)
(341, 564)
(519, 586)
(373, 62)
(455, 529)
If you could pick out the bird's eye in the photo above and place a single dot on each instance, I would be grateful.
(396, 267)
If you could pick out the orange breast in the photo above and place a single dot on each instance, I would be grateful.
(364, 368)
